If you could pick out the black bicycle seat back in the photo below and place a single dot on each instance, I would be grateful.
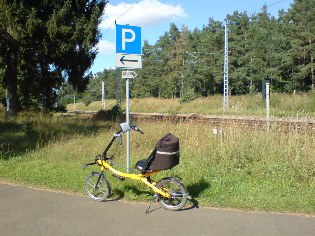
(164, 156)
(144, 165)
(167, 153)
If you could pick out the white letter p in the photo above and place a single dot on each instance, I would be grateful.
(127, 40)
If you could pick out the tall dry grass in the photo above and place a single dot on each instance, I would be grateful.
(281, 105)
(240, 168)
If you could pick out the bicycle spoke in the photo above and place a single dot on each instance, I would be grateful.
(177, 192)
(100, 191)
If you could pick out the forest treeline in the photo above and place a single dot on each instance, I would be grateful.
(188, 63)
(48, 47)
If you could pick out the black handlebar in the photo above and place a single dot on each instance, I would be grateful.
(88, 164)
(135, 128)
(117, 134)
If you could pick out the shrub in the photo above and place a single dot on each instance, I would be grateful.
(188, 96)
(116, 113)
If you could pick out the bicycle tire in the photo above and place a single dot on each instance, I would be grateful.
(99, 192)
(177, 191)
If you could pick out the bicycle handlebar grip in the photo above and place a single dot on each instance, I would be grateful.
(88, 164)
(135, 128)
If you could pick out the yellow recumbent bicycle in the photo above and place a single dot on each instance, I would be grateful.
(169, 192)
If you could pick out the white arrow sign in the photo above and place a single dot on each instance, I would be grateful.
(127, 74)
(128, 61)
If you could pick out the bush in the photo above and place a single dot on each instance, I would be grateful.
(87, 100)
(188, 96)
(61, 108)
(116, 113)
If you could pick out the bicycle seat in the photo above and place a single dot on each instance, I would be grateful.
(144, 165)
(164, 156)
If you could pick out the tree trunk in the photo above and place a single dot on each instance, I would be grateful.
(10, 78)
(46, 85)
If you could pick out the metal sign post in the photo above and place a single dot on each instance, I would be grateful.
(128, 75)
(128, 122)
(128, 56)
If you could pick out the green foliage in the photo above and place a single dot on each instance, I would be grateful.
(188, 96)
(45, 43)
(261, 47)
(114, 114)
(30, 131)
(243, 168)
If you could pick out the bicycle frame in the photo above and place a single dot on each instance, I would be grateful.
(169, 192)
(144, 178)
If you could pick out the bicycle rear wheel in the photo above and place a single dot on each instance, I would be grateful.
(97, 186)
(178, 194)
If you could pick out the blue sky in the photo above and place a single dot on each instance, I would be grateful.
(154, 18)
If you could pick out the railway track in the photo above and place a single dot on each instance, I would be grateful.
(279, 124)
(298, 125)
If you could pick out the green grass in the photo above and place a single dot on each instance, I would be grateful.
(244, 169)
(31, 131)
(281, 105)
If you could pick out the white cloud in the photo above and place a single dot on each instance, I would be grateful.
(106, 47)
(143, 13)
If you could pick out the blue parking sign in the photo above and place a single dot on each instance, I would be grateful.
(128, 39)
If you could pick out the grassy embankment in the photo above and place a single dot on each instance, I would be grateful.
(281, 105)
(245, 169)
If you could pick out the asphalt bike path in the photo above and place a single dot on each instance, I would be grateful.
(27, 211)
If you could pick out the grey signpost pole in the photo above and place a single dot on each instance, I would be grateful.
(128, 75)
(128, 122)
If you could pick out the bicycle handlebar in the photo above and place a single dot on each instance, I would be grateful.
(135, 128)
(116, 135)
(98, 157)
(88, 164)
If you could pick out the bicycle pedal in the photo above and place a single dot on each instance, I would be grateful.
(119, 177)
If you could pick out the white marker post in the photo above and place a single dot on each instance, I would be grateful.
(103, 95)
(267, 106)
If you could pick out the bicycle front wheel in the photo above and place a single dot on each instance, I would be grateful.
(97, 187)
(177, 191)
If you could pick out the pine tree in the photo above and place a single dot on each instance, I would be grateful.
(44, 43)
(301, 18)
